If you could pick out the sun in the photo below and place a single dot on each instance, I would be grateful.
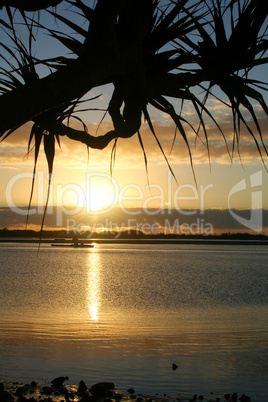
(98, 192)
(101, 193)
(99, 198)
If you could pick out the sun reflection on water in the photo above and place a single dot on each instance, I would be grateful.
(93, 285)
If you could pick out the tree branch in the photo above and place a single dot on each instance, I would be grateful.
(29, 5)
(98, 64)
(29, 101)
(99, 142)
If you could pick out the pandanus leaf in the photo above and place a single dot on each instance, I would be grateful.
(4, 23)
(77, 28)
(150, 124)
(86, 10)
(169, 109)
(113, 155)
(8, 133)
(49, 147)
(72, 44)
(37, 134)
(144, 156)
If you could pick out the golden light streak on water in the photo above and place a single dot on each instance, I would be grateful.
(93, 285)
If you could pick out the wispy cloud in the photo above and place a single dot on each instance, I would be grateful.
(74, 155)
(151, 220)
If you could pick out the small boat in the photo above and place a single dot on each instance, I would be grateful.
(73, 245)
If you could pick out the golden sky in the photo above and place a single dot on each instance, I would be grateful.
(84, 180)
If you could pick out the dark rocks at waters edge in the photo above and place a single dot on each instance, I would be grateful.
(22, 390)
(234, 397)
(47, 390)
(82, 388)
(58, 382)
(99, 392)
(17, 391)
(244, 398)
(6, 396)
(100, 389)
(197, 398)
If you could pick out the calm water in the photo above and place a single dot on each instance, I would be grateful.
(125, 313)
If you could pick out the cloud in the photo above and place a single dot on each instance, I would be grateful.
(129, 151)
(150, 220)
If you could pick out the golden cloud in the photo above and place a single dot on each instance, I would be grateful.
(129, 151)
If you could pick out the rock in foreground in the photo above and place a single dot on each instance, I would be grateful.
(57, 391)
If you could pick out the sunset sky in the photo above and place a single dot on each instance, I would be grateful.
(82, 180)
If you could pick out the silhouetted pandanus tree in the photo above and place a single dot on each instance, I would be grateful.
(150, 50)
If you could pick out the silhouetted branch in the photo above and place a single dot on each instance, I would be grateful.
(29, 101)
(138, 48)
(91, 141)
(94, 67)
(99, 63)
(29, 5)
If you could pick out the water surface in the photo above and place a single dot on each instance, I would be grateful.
(125, 313)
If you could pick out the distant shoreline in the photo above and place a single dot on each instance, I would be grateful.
(214, 242)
